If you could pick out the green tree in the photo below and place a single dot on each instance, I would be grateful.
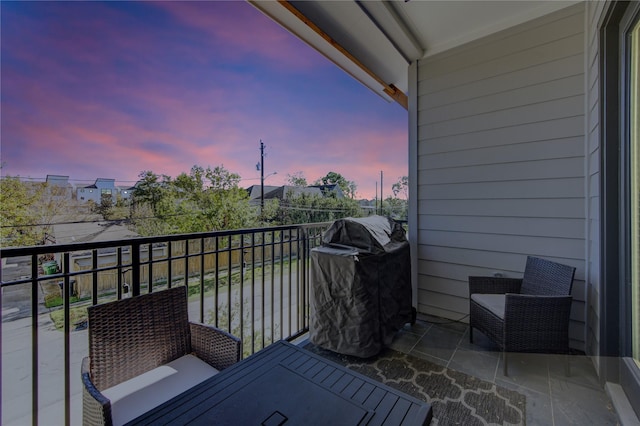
(145, 223)
(332, 178)
(151, 188)
(16, 218)
(203, 200)
(396, 208)
(104, 207)
(28, 211)
(401, 187)
(221, 179)
(271, 210)
(226, 205)
(297, 179)
(109, 209)
(308, 208)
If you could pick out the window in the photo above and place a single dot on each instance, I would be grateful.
(634, 185)
(620, 197)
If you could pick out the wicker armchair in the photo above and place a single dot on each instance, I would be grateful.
(140, 336)
(528, 314)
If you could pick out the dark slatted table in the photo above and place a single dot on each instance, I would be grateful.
(286, 385)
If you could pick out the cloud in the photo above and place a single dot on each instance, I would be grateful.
(112, 89)
(243, 33)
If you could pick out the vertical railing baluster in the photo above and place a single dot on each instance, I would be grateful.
(282, 265)
(169, 263)
(273, 258)
(67, 338)
(94, 276)
(119, 272)
(241, 283)
(1, 305)
(217, 281)
(253, 290)
(34, 340)
(262, 274)
(289, 308)
(150, 267)
(229, 306)
(305, 281)
(301, 276)
(202, 259)
(135, 268)
(186, 263)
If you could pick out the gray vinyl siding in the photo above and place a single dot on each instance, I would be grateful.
(501, 161)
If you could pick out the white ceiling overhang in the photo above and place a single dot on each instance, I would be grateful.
(375, 41)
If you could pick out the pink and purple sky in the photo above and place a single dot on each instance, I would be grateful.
(111, 89)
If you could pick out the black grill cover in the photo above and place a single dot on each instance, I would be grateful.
(360, 286)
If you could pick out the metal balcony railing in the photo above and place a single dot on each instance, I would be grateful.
(252, 283)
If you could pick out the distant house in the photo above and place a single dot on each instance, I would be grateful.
(58, 180)
(59, 187)
(95, 192)
(330, 189)
(286, 192)
(255, 192)
(126, 192)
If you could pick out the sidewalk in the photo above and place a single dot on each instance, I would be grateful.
(16, 372)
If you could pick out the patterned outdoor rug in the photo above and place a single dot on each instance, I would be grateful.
(456, 398)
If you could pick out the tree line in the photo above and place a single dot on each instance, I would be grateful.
(205, 199)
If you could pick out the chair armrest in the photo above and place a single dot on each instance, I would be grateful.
(96, 408)
(536, 308)
(494, 285)
(214, 346)
(537, 323)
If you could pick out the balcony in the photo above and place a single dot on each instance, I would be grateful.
(252, 283)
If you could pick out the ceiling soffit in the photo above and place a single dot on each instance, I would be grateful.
(381, 38)
(359, 61)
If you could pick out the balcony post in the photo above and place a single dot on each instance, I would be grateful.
(135, 269)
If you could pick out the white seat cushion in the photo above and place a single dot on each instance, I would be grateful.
(140, 394)
(492, 302)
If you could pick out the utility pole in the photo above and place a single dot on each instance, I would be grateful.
(376, 205)
(381, 197)
(260, 166)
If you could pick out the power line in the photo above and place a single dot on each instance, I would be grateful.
(313, 209)
(130, 219)
(44, 179)
(113, 221)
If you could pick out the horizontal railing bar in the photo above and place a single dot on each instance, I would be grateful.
(37, 250)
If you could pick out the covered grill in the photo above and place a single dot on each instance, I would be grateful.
(360, 292)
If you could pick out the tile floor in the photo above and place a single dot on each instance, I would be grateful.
(552, 397)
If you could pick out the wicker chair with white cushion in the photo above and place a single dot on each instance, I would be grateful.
(528, 314)
(143, 351)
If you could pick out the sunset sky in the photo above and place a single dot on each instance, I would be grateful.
(111, 89)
